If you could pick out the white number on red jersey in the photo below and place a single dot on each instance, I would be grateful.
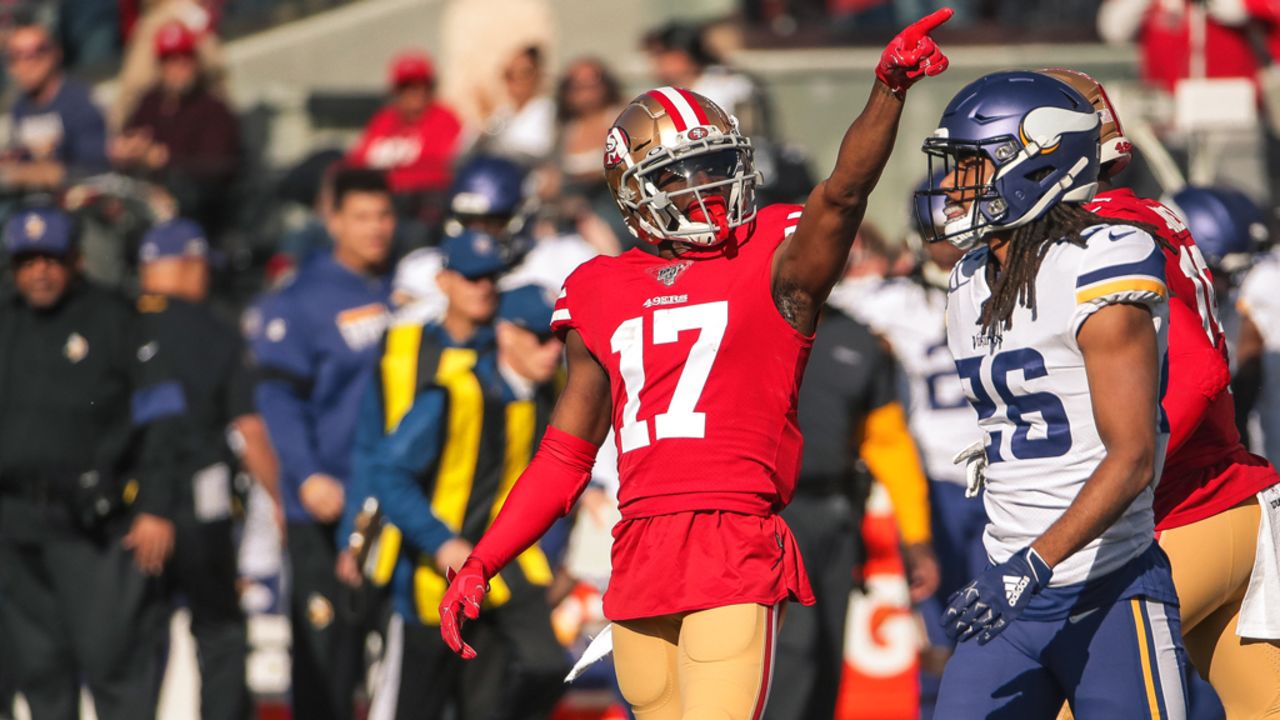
(680, 420)
(1192, 264)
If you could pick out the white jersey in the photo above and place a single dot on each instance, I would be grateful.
(1258, 300)
(1032, 395)
(912, 318)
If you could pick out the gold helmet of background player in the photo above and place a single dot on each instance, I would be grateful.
(679, 169)
(1115, 148)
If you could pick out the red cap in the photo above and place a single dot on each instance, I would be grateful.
(410, 67)
(175, 38)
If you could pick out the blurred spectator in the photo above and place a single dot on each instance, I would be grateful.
(679, 57)
(182, 136)
(209, 360)
(316, 341)
(57, 134)
(88, 432)
(1182, 38)
(140, 70)
(476, 48)
(588, 100)
(523, 126)
(414, 139)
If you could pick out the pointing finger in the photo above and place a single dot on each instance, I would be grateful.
(925, 25)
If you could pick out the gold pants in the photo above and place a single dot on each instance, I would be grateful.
(708, 665)
(1212, 560)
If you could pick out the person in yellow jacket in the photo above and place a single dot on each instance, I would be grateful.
(440, 474)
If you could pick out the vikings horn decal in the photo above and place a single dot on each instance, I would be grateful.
(1045, 126)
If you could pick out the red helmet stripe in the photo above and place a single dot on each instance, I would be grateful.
(1106, 100)
(693, 103)
(670, 109)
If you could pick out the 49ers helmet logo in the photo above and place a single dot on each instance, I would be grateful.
(615, 144)
(697, 133)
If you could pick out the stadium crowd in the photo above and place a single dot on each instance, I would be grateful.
(323, 424)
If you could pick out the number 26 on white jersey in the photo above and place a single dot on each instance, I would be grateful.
(680, 420)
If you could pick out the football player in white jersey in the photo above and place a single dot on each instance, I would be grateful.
(1058, 327)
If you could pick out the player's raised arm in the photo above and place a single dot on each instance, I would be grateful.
(810, 262)
(545, 491)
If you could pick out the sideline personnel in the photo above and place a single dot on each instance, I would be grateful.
(848, 411)
(441, 476)
(86, 431)
(316, 345)
(208, 357)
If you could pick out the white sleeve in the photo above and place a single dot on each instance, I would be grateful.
(1120, 264)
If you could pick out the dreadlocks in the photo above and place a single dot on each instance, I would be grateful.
(1015, 283)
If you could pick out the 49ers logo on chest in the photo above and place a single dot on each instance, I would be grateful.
(616, 145)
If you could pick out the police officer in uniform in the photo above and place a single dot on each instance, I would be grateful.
(87, 427)
(462, 420)
(209, 359)
(316, 344)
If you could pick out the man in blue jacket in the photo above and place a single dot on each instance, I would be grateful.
(316, 341)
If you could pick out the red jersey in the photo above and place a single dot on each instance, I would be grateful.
(704, 371)
(417, 155)
(1207, 469)
(704, 375)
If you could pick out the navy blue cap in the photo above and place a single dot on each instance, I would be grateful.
(39, 230)
(529, 307)
(473, 254)
(177, 238)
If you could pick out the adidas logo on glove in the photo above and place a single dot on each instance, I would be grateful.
(1013, 587)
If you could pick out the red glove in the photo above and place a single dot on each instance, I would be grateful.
(545, 492)
(467, 588)
(912, 54)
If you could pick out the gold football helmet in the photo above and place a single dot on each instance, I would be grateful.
(1115, 147)
(679, 169)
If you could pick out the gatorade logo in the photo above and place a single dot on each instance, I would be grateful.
(1013, 587)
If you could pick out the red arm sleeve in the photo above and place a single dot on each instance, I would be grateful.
(545, 492)
(1197, 374)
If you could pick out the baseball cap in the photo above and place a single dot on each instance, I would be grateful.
(173, 239)
(410, 67)
(474, 254)
(174, 38)
(529, 307)
(48, 231)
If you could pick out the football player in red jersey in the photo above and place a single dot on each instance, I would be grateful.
(694, 356)
(1207, 514)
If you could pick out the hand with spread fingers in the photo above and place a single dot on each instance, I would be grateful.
(912, 54)
(995, 598)
(461, 602)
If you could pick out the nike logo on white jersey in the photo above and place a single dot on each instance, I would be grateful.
(1077, 618)
(1013, 587)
